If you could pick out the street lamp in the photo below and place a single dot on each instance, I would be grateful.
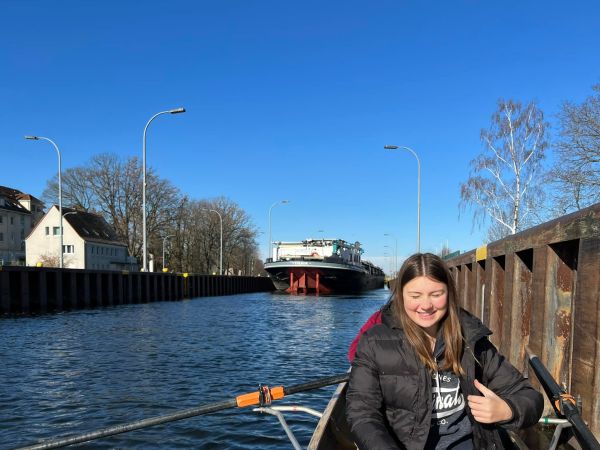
(389, 261)
(395, 147)
(163, 258)
(144, 247)
(221, 220)
(41, 138)
(395, 250)
(279, 202)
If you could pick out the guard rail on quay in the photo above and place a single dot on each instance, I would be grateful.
(541, 289)
(25, 290)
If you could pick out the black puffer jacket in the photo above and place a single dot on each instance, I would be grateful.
(389, 399)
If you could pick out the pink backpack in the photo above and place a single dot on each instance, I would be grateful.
(371, 321)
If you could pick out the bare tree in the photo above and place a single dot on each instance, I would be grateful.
(576, 173)
(197, 235)
(117, 185)
(76, 189)
(48, 260)
(504, 185)
(112, 187)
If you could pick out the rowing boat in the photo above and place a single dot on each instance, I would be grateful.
(333, 433)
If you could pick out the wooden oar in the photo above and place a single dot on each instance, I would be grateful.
(263, 396)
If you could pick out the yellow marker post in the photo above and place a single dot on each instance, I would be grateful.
(481, 253)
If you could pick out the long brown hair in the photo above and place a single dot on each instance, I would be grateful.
(430, 266)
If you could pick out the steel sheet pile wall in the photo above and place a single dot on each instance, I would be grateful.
(541, 288)
(25, 290)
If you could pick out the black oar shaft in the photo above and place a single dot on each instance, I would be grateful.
(550, 385)
(583, 434)
(118, 429)
(337, 379)
(206, 409)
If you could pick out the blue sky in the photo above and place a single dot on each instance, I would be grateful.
(289, 100)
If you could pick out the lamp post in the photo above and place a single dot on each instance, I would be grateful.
(144, 246)
(221, 220)
(163, 258)
(395, 147)
(279, 202)
(41, 138)
(389, 261)
(395, 250)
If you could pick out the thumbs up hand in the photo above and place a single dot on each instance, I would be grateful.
(488, 408)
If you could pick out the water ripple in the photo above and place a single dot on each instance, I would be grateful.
(74, 372)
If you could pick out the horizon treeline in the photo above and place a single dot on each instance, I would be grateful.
(189, 229)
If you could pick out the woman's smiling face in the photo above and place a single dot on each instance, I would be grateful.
(425, 302)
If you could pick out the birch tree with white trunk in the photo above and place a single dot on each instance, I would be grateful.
(504, 188)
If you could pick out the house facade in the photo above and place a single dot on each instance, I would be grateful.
(89, 242)
(19, 213)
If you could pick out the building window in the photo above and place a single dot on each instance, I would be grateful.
(47, 231)
(1, 237)
(12, 220)
(1, 218)
(68, 249)
(22, 234)
(22, 220)
(56, 231)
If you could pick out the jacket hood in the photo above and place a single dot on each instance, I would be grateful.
(473, 328)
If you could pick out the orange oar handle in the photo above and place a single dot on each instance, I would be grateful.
(253, 398)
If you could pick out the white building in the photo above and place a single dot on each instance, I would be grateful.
(19, 212)
(89, 242)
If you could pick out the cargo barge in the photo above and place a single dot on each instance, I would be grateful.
(322, 266)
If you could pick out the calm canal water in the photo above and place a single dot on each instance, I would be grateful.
(78, 371)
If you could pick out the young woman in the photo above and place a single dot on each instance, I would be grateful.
(428, 378)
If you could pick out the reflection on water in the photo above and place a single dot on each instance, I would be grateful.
(78, 371)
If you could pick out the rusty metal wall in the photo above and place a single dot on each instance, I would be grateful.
(541, 288)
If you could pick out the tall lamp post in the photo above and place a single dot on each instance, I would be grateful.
(389, 260)
(221, 220)
(395, 147)
(41, 138)
(145, 247)
(279, 202)
(163, 258)
(395, 250)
